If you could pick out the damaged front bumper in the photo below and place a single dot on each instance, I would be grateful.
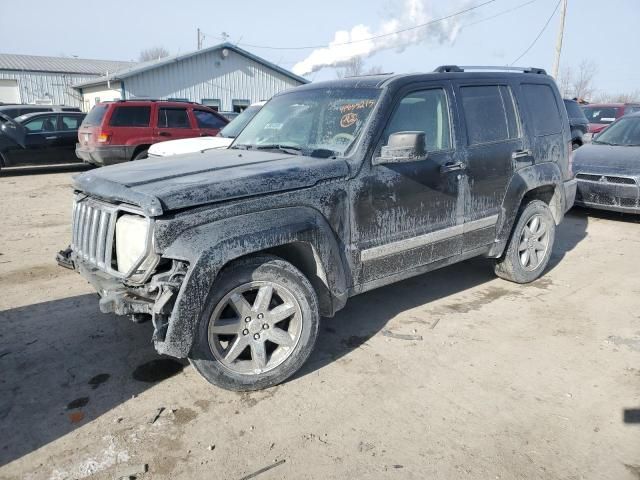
(154, 299)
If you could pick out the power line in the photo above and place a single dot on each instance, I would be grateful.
(422, 25)
(499, 14)
(539, 34)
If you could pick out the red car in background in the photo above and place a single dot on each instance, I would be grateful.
(601, 115)
(123, 130)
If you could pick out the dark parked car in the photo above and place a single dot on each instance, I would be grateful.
(333, 189)
(15, 110)
(601, 115)
(39, 139)
(120, 131)
(577, 121)
(608, 170)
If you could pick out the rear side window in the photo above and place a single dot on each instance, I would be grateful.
(543, 109)
(95, 116)
(130, 117)
(490, 114)
(208, 120)
(173, 118)
(70, 122)
(573, 109)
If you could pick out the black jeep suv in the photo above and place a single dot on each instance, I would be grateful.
(333, 189)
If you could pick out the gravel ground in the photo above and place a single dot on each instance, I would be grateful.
(501, 381)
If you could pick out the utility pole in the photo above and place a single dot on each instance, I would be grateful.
(199, 39)
(556, 63)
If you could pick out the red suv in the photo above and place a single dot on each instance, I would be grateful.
(115, 132)
(601, 115)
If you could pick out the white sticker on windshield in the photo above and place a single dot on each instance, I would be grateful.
(607, 119)
(273, 126)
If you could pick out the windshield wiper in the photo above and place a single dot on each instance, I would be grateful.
(291, 150)
(600, 142)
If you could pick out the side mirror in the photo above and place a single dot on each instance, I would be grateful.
(403, 147)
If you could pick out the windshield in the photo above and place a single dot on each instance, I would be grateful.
(625, 131)
(237, 124)
(320, 120)
(600, 114)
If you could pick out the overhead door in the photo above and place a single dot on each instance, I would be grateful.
(9, 92)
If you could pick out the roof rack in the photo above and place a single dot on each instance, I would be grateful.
(464, 68)
(142, 99)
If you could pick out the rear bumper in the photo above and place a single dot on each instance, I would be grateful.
(104, 155)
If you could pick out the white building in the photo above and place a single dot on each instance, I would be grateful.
(49, 80)
(224, 77)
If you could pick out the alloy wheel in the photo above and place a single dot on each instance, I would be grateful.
(534, 242)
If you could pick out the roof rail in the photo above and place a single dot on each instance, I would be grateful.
(143, 99)
(464, 68)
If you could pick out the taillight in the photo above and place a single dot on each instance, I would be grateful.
(104, 137)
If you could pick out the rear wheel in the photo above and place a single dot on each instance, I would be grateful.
(530, 246)
(259, 325)
(141, 155)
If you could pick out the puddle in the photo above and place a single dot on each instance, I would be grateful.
(157, 370)
(77, 403)
(98, 380)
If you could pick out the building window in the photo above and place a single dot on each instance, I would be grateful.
(240, 105)
(214, 103)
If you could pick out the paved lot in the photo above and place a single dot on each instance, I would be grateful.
(540, 381)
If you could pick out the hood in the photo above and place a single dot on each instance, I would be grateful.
(159, 185)
(607, 159)
(188, 145)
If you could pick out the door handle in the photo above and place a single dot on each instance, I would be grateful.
(520, 154)
(205, 135)
(164, 134)
(50, 138)
(452, 167)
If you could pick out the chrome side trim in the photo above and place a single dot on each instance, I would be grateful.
(422, 240)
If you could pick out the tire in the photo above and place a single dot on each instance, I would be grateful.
(245, 346)
(518, 263)
(575, 145)
(141, 155)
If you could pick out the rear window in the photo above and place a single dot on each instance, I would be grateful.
(489, 113)
(573, 109)
(543, 109)
(130, 117)
(70, 122)
(95, 116)
(173, 118)
(600, 114)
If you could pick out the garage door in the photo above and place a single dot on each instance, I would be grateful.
(9, 92)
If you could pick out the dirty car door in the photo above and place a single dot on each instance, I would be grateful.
(12, 130)
(409, 214)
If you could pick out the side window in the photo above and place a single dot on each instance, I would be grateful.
(70, 122)
(208, 120)
(173, 118)
(42, 124)
(423, 111)
(130, 117)
(543, 109)
(489, 113)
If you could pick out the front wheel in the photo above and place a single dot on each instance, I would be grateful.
(530, 246)
(259, 325)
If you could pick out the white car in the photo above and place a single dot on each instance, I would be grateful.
(198, 144)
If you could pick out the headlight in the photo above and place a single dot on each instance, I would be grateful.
(132, 243)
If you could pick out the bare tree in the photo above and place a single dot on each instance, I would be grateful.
(582, 83)
(153, 53)
(625, 97)
(355, 67)
(564, 81)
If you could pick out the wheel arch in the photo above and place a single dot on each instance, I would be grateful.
(138, 149)
(300, 236)
(537, 182)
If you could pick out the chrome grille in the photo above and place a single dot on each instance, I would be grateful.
(606, 178)
(92, 234)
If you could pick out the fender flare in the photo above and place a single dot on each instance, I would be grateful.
(209, 247)
(522, 182)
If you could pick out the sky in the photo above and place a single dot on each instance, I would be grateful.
(606, 32)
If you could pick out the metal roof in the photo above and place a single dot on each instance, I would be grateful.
(36, 63)
(134, 69)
